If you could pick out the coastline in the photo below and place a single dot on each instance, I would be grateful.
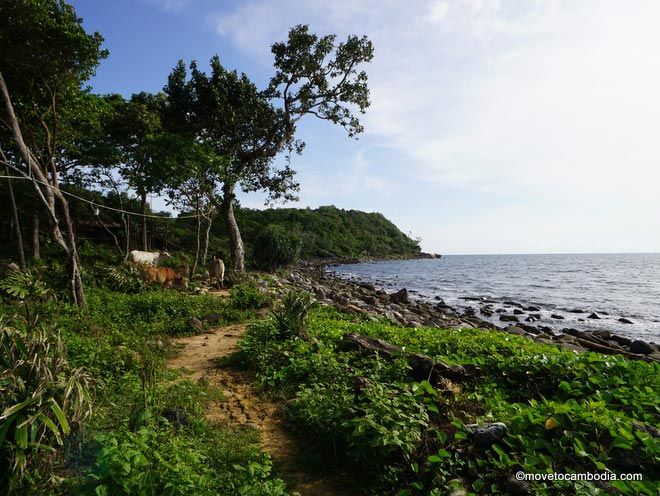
(402, 310)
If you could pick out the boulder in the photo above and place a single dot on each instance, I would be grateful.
(400, 296)
(624, 320)
(196, 324)
(593, 315)
(515, 330)
(508, 318)
(369, 299)
(641, 347)
(517, 311)
(533, 308)
(557, 316)
(488, 434)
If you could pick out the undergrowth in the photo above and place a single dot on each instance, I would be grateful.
(565, 412)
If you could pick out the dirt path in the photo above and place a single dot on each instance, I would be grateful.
(243, 406)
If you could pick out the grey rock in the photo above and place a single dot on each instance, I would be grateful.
(624, 320)
(487, 434)
(508, 318)
(557, 316)
(593, 315)
(518, 331)
(641, 347)
(196, 324)
(400, 296)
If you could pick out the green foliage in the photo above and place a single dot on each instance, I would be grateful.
(247, 296)
(275, 247)
(565, 412)
(42, 397)
(329, 232)
(290, 318)
(120, 278)
(155, 461)
(28, 289)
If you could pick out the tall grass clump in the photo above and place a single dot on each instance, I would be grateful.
(290, 318)
(42, 400)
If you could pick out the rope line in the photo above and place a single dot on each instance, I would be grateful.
(151, 216)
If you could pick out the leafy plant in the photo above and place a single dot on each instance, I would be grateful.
(43, 398)
(28, 289)
(290, 318)
(275, 247)
(248, 297)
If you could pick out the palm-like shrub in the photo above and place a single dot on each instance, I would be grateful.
(41, 399)
(290, 318)
(26, 288)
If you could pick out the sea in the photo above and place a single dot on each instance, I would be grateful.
(614, 286)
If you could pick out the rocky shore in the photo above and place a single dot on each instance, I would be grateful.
(401, 309)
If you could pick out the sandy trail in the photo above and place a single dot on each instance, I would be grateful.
(243, 406)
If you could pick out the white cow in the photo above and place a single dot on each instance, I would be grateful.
(217, 271)
(148, 257)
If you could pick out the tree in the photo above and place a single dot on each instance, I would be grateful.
(314, 76)
(45, 57)
(275, 246)
(135, 143)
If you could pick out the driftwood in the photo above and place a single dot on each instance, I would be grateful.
(422, 366)
(591, 345)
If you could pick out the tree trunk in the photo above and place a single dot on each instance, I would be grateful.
(127, 230)
(48, 192)
(35, 237)
(198, 235)
(207, 237)
(74, 262)
(237, 251)
(143, 205)
(17, 225)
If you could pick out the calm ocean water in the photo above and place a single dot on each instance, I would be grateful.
(621, 285)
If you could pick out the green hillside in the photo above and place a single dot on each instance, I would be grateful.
(329, 232)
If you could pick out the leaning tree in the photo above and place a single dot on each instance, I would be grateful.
(45, 58)
(314, 76)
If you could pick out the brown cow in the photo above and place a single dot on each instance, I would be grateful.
(165, 276)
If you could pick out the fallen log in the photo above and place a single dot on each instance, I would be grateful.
(422, 367)
(593, 346)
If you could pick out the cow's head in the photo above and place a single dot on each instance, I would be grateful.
(164, 255)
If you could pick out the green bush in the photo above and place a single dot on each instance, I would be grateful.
(275, 247)
(248, 297)
(42, 398)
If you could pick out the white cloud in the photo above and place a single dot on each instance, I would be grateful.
(552, 98)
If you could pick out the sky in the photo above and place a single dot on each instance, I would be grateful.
(495, 126)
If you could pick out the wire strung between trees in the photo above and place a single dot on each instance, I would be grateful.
(98, 205)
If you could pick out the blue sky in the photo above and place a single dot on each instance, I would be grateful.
(496, 126)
